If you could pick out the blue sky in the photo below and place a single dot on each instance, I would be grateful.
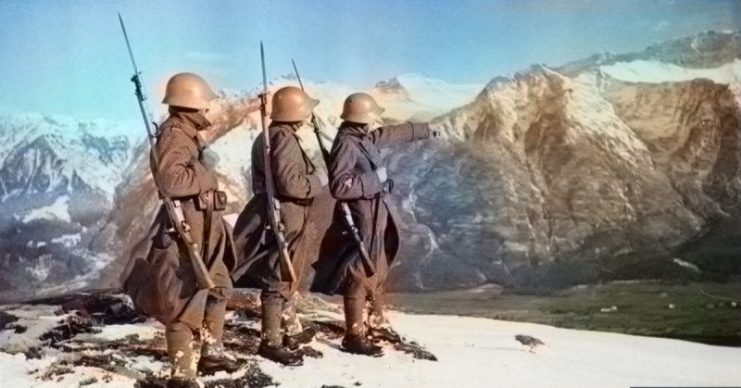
(68, 57)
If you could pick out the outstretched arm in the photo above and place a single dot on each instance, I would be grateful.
(398, 134)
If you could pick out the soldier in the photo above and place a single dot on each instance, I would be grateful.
(186, 175)
(359, 178)
(297, 182)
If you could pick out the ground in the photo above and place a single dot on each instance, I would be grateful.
(96, 340)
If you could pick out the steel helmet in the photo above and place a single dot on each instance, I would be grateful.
(188, 90)
(292, 104)
(361, 108)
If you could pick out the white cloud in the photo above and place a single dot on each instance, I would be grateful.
(660, 25)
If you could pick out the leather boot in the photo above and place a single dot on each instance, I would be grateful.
(214, 359)
(280, 354)
(355, 340)
(213, 356)
(304, 337)
(271, 346)
(359, 344)
(177, 382)
(179, 339)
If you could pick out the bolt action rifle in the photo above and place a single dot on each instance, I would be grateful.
(370, 268)
(172, 207)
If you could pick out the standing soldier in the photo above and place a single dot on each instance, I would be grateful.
(185, 175)
(359, 178)
(297, 182)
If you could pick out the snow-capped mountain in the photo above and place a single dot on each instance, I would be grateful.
(559, 177)
(604, 168)
(58, 176)
(417, 98)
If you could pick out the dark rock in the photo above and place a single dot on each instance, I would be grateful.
(6, 319)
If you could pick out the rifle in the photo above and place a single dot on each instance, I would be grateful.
(273, 204)
(370, 268)
(173, 207)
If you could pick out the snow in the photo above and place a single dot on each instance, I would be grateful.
(231, 218)
(68, 138)
(657, 72)
(68, 240)
(477, 352)
(472, 352)
(36, 319)
(16, 371)
(420, 98)
(56, 211)
(146, 330)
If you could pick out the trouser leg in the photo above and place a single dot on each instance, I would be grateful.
(354, 300)
(376, 317)
(180, 350)
(272, 310)
(213, 326)
(289, 317)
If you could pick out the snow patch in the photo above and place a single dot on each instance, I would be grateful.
(59, 210)
(68, 240)
(657, 72)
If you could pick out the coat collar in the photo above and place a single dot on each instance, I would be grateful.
(191, 122)
(354, 129)
(285, 127)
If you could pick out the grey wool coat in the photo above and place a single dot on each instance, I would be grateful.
(296, 186)
(160, 277)
(353, 162)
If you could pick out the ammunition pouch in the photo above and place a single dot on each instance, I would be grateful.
(215, 200)
(220, 200)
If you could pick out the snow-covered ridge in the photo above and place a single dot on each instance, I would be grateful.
(59, 210)
(412, 96)
(645, 71)
(94, 151)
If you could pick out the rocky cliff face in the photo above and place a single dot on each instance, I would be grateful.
(549, 180)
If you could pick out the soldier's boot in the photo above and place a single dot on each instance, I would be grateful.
(179, 339)
(213, 356)
(379, 328)
(295, 335)
(271, 345)
(303, 337)
(177, 382)
(355, 340)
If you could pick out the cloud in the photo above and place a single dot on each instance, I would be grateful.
(661, 25)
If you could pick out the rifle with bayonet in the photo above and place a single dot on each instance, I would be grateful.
(172, 207)
(349, 223)
(273, 204)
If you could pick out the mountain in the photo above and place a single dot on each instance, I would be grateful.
(609, 167)
(58, 176)
(605, 170)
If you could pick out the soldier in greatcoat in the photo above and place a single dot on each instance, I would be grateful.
(161, 279)
(297, 182)
(358, 177)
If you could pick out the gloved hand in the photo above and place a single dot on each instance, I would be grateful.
(381, 173)
(322, 175)
(209, 158)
